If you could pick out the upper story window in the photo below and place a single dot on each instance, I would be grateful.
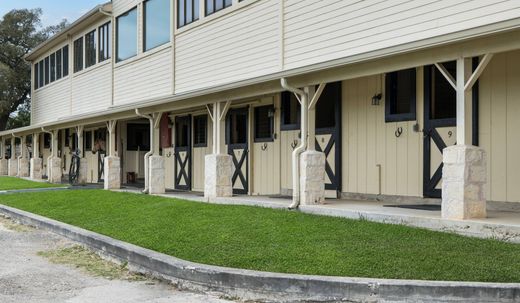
(213, 6)
(156, 23)
(90, 49)
(65, 52)
(187, 12)
(52, 68)
(400, 96)
(126, 28)
(105, 41)
(59, 65)
(78, 55)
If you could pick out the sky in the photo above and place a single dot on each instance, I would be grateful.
(53, 10)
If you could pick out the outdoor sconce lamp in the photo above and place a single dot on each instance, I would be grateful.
(376, 99)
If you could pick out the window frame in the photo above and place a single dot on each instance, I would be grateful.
(59, 64)
(145, 47)
(46, 70)
(390, 97)
(36, 75)
(52, 69)
(214, 9)
(90, 48)
(78, 58)
(65, 59)
(256, 110)
(194, 19)
(286, 97)
(125, 14)
(104, 42)
(205, 118)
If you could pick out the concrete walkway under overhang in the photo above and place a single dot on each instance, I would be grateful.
(501, 225)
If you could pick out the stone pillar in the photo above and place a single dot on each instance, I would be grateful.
(312, 177)
(156, 183)
(112, 172)
(83, 171)
(12, 167)
(36, 168)
(3, 167)
(218, 173)
(23, 168)
(463, 182)
(54, 168)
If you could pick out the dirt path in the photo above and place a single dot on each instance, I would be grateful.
(37, 266)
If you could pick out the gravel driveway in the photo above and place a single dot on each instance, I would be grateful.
(26, 276)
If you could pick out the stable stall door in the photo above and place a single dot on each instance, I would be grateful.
(237, 132)
(266, 152)
(183, 153)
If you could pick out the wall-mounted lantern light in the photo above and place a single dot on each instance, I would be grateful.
(376, 99)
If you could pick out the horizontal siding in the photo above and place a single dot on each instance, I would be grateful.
(51, 102)
(121, 6)
(92, 91)
(238, 46)
(319, 31)
(146, 78)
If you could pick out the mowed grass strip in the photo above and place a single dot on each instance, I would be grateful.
(13, 183)
(277, 240)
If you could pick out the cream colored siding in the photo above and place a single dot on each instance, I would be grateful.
(121, 6)
(92, 90)
(286, 139)
(144, 78)
(169, 167)
(368, 141)
(199, 158)
(237, 46)
(51, 102)
(318, 31)
(499, 126)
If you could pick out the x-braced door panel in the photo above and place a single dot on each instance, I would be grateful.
(237, 133)
(183, 153)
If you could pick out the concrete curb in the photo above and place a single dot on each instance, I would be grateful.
(265, 286)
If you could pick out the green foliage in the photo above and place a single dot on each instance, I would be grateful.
(20, 32)
(277, 240)
(12, 183)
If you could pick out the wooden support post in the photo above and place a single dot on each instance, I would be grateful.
(111, 126)
(36, 145)
(79, 136)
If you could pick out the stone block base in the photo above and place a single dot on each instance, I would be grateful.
(112, 172)
(312, 178)
(12, 167)
(83, 171)
(218, 173)
(156, 182)
(23, 168)
(36, 168)
(54, 169)
(463, 182)
(3, 167)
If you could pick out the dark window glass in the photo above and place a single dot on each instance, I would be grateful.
(47, 66)
(36, 73)
(326, 107)
(187, 11)
(59, 66)
(90, 49)
(443, 103)
(138, 136)
(67, 137)
(105, 41)
(213, 6)
(264, 126)
(41, 73)
(65, 51)
(400, 96)
(87, 136)
(127, 35)
(78, 55)
(200, 128)
(53, 67)
(182, 131)
(236, 132)
(156, 23)
(290, 112)
(46, 140)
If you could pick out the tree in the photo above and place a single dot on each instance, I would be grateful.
(20, 32)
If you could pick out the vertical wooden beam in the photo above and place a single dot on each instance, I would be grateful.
(311, 137)
(111, 126)
(36, 145)
(79, 136)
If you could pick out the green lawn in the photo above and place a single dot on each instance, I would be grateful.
(12, 183)
(277, 240)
